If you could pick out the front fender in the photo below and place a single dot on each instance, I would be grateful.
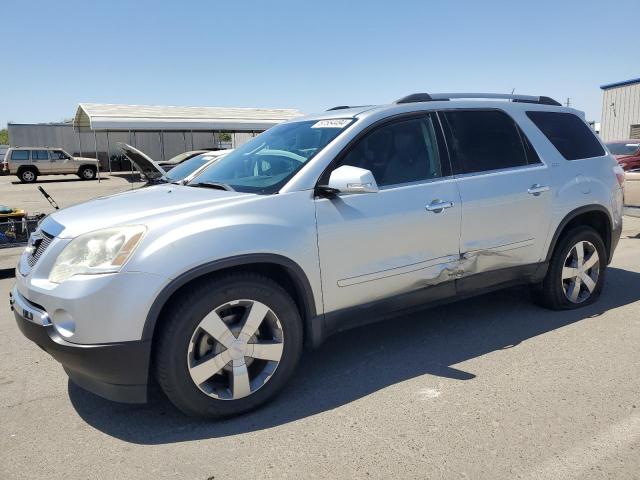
(277, 229)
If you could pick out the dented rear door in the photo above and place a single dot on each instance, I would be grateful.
(506, 191)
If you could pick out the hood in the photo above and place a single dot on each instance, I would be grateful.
(142, 162)
(86, 159)
(152, 206)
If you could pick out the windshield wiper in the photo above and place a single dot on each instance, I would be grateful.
(215, 185)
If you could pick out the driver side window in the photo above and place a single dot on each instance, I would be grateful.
(400, 152)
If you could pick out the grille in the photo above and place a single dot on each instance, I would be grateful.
(39, 243)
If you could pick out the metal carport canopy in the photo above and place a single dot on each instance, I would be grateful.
(99, 116)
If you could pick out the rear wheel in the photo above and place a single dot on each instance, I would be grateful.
(28, 175)
(228, 346)
(576, 272)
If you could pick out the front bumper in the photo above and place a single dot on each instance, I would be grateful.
(116, 371)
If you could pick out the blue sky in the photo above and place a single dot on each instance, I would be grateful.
(306, 55)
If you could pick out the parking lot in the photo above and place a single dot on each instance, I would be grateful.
(66, 190)
(491, 387)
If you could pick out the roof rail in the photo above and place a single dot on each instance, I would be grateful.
(342, 107)
(429, 97)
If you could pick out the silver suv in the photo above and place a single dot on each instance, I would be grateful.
(27, 163)
(317, 225)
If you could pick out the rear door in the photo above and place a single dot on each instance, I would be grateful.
(505, 190)
(393, 243)
(40, 159)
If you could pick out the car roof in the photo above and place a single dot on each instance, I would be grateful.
(35, 148)
(417, 102)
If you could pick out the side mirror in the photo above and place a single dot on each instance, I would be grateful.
(348, 179)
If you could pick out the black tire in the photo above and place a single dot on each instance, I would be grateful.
(550, 292)
(28, 175)
(181, 321)
(87, 173)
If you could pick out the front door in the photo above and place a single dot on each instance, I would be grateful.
(402, 239)
(505, 191)
(61, 162)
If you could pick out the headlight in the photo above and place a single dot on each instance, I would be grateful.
(102, 251)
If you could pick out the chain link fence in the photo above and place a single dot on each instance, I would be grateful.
(15, 233)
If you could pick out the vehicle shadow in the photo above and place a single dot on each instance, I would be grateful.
(356, 363)
(60, 180)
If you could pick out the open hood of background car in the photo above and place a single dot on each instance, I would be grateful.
(150, 169)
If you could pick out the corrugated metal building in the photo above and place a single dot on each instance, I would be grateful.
(621, 110)
(159, 131)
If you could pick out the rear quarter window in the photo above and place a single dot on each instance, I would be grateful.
(20, 155)
(568, 133)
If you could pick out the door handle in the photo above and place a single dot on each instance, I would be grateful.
(438, 206)
(537, 189)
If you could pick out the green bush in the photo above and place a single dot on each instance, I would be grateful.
(4, 137)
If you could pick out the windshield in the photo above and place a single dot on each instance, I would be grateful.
(186, 168)
(623, 148)
(267, 162)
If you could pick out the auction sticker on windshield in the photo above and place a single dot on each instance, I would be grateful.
(333, 123)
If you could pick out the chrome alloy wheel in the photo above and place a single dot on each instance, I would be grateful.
(580, 272)
(28, 176)
(235, 349)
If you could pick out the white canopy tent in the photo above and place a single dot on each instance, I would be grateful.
(98, 116)
(164, 131)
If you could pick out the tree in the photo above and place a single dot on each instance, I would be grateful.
(4, 137)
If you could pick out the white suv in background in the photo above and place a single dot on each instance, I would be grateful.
(28, 163)
(315, 226)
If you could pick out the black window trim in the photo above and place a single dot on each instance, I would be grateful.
(521, 132)
(445, 163)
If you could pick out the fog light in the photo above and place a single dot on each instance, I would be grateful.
(63, 323)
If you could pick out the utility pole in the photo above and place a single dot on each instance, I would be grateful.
(568, 102)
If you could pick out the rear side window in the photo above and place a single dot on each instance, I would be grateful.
(568, 133)
(20, 155)
(39, 155)
(484, 140)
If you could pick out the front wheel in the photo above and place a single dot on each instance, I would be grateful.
(576, 271)
(87, 173)
(228, 346)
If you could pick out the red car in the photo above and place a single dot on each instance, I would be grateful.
(627, 152)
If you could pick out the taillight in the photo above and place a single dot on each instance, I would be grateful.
(619, 175)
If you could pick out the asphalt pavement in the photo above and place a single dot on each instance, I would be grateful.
(490, 387)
